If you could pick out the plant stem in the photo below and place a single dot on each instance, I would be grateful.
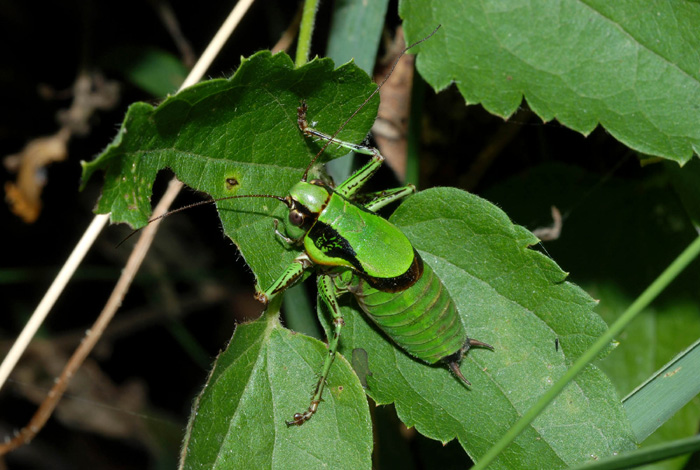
(49, 299)
(656, 287)
(306, 29)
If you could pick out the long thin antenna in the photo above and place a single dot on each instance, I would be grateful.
(201, 203)
(364, 103)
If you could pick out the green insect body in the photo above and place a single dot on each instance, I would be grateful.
(423, 319)
(392, 285)
(357, 251)
(345, 234)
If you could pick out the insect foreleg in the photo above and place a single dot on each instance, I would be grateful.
(286, 239)
(350, 186)
(328, 293)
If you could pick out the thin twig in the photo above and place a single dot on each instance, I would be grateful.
(133, 263)
(51, 295)
(217, 43)
(287, 38)
(27, 433)
(167, 16)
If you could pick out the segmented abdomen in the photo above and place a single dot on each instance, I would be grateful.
(422, 319)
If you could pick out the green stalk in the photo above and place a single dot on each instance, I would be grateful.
(306, 30)
(656, 287)
(668, 390)
(646, 455)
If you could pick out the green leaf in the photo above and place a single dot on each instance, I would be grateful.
(665, 392)
(355, 31)
(647, 345)
(614, 240)
(239, 418)
(630, 66)
(242, 130)
(517, 300)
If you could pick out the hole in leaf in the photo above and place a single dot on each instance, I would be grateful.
(231, 183)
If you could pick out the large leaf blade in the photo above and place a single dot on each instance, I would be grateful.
(628, 66)
(256, 385)
(235, 136)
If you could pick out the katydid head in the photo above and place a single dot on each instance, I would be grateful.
(307, 200)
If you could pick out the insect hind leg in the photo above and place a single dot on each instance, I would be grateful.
(328, 293)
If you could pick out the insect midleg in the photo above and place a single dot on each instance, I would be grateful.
(381, 198)
(328, 293)
(290, 275)
(350, 186)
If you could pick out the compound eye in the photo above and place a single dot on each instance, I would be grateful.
(296, 218)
